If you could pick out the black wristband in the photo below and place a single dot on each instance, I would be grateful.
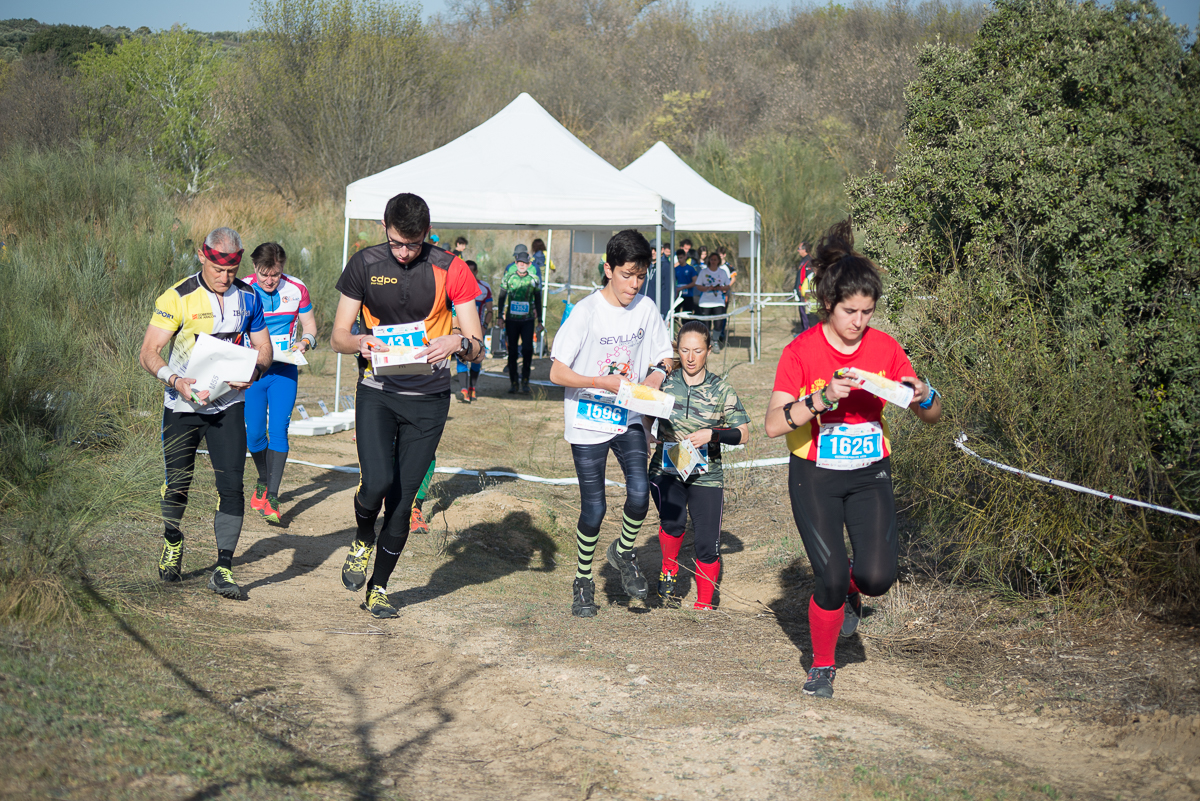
(787, 415)
(728, 436)
(808, 401)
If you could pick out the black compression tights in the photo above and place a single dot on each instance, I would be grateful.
(822, 501)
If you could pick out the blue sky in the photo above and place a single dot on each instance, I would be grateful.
(226, 15)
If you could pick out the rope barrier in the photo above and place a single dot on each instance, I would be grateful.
(962, 437)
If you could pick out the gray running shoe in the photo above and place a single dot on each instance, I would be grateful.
(221, 582)
(820, 682)
(632, 580)
(853, 610)
(583, 598)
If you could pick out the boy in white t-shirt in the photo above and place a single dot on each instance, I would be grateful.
(613, 335)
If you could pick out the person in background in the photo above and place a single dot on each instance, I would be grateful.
(686, 246)
(713, 283)
(541, 264)
(468, 373)
(269, 400)
(803, 285)
(520, 309)
(685, 282)
(664, 260)
(460, 247)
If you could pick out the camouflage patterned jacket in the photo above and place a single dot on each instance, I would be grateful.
(710, 404)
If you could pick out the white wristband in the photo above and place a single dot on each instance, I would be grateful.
(163, 373)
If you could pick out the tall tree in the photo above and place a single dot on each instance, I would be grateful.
(157, 94)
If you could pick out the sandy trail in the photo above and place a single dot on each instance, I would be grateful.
(486, 687)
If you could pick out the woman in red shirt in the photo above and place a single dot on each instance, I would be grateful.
(840, 471)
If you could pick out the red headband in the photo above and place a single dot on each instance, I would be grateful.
(223, 259)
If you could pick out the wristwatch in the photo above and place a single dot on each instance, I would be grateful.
(465, 346)
(928, 402)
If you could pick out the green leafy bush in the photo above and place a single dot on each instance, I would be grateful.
(1049, 202)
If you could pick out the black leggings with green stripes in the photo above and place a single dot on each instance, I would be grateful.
(590, 464)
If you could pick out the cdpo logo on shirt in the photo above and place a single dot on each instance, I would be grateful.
(382, 279)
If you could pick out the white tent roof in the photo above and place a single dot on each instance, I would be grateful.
(520, 169)
(699, 206)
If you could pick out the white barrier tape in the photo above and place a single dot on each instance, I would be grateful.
(558, 482)
(691, 316)
(962, 437)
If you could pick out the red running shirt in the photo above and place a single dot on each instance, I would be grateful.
(808, 364)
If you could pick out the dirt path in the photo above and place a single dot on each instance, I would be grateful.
(485, 687)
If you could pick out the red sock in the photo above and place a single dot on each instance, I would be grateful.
(707, 574)
(670, 550)
(825, 627)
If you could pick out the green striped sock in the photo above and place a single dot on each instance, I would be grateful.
(585, 550)
(629, 532)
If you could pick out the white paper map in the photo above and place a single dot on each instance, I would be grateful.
(214, 363)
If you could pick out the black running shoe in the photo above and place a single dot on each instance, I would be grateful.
(853, 610)
(632, 580)
(514, 389)
(666, 588)
(524, 387)
(583, 598)
(170, 563)
(820, 682)
(354, 570)
(221, 582)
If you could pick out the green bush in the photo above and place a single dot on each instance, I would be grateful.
(1049, 202)
(89, 245)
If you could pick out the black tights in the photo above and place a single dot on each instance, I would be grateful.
(822, 501)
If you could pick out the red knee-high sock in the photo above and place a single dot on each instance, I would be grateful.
(825, 627)
(853, 586)
(707, 574)
(670, 550)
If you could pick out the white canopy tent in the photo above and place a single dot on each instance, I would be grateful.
(520, 169)
(700, 206)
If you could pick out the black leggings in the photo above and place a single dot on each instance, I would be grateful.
(395, 431)
(522, 329)
(590, 463)
(675, 498)
(225, 432)
(822, 501)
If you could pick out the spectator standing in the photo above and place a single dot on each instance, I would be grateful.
(713, 283)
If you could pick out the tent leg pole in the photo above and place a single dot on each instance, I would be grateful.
(337, 381)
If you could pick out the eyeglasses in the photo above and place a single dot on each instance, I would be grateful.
(411, 247)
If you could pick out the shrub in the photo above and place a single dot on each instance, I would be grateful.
(90, 244)
(1050, 202)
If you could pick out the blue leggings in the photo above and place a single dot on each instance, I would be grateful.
(269, 401)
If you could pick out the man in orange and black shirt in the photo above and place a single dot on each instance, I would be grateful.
(404, 290)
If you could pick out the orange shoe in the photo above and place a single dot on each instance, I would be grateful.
(270, 508)
(472, 394)
(417, 523)
(256, 500)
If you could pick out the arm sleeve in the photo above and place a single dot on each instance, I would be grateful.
(168, 311)
(351, 282)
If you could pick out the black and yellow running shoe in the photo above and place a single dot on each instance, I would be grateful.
(221, 582)
(170, 563)
(354, 571)
(377, 603)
